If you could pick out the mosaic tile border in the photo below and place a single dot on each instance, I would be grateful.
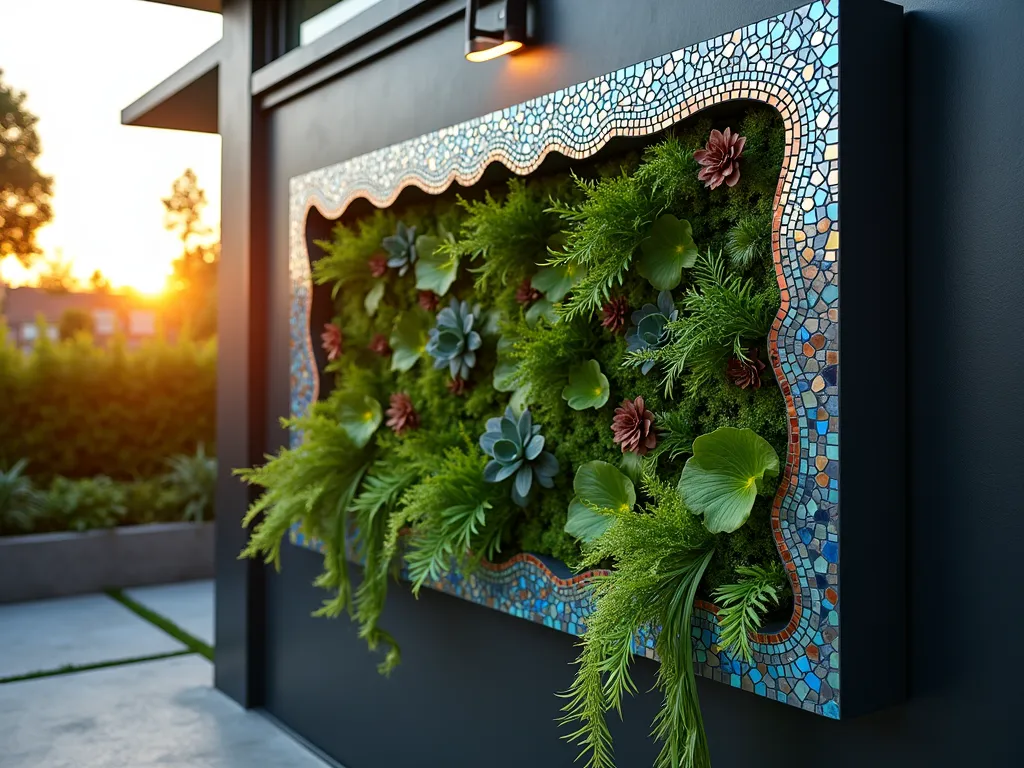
(790, 62)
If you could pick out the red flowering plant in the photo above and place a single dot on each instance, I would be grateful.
(333, 341)
(720, 160)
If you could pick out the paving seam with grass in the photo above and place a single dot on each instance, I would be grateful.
(69, 669)
(162, 622)
(191, 643)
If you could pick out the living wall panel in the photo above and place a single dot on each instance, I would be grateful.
(815, 65)
(962, 59)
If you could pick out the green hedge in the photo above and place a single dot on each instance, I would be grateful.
(77, 410)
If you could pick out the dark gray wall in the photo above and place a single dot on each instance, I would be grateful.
(476, 686)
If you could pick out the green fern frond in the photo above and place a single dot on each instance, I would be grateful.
(508, 237)
(744, 604)
(659, 559)
(722, 316)
(345, 258)
(605, 230)
(543, 355)
(313, 485)
(381, 490)
(451, 513)
(675, 435)
(749, 241)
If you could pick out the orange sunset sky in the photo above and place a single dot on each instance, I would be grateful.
(81, 62)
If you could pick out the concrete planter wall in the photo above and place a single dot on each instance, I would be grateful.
(59, 564)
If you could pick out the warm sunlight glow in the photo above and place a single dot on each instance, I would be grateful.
(108, 178)
(492, 53)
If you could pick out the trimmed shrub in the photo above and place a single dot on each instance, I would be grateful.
(77, 410)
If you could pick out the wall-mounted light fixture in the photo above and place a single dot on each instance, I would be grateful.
(487, 44)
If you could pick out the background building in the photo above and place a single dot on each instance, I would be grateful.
(31, 311)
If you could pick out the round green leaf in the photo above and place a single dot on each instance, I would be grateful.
(372, 301)
(601, 486)
(555, 282)
(584, 523)
(521, 398)
(359, 416)
(588, 387)
(541, 308)
(667, 252)
(632, 464)
(435, 270)
(722, 478)
(505, 370)
(409, 340)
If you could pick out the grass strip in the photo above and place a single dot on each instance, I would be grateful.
(69, 669)
(194, 643)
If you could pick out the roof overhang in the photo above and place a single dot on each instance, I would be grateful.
(185, 101)
(214, 6)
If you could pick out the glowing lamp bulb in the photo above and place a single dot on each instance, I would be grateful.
(494, 52)
(489, 44)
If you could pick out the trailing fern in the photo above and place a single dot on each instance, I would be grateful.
(659, 557)
(744, 604)
(455, 517)
(381, 490)
(313, 485)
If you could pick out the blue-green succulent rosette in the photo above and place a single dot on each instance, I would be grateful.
(516, 448)
(401, 248)
(452, 341)
(649, 329)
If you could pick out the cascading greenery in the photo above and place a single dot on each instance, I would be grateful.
(506, 380)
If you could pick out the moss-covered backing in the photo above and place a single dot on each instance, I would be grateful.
(502, 239)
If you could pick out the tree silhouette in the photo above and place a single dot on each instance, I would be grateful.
(24, 191)
(183, 210)
(98, 282)
(55, 275)
(194, 281)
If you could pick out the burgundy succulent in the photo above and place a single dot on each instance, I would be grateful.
(379, 345)
(378, 264)
(720, 159)
(745, 374)
(526, 294)
(633, 427)
(429, 300)
(401, 414)
(332, 341)
(459, 386)
(615, 314)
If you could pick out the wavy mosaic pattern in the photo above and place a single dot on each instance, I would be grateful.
(790, 62)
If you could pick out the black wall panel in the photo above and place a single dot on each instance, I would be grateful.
(476, 687)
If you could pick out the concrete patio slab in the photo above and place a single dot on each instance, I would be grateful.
(189, 605)
(50, 634)
(159, 713)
